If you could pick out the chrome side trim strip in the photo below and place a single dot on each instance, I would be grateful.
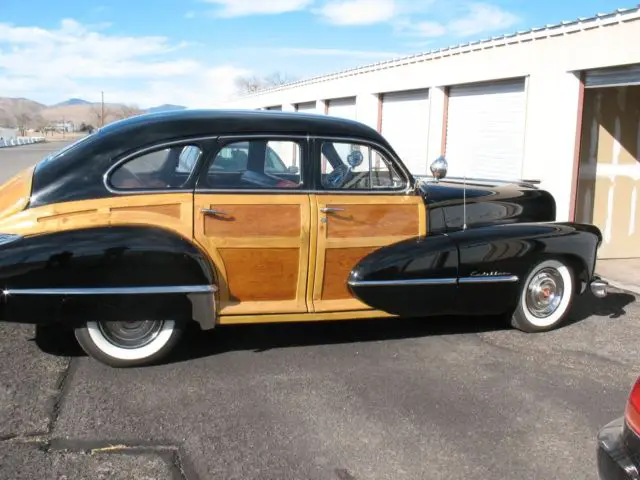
(417, 281)
(112, 290)
(434, 281)
(490, 279)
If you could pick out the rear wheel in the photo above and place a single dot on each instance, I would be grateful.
(546, 297)
(129, 343)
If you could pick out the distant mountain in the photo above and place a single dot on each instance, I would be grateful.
(75, 110)
(10, 108)
(71, 102)
(165, 108)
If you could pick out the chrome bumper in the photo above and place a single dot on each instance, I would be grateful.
(599, 287)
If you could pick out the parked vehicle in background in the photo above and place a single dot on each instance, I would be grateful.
(230, 217)
(619, 442)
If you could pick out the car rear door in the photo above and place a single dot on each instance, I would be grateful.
(253, 219)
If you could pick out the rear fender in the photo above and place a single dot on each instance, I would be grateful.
(67, 274)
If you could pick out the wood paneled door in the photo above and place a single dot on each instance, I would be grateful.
(260, 246)
(349, 227)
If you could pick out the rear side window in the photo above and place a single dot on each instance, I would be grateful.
(256, 164)
(168, 168)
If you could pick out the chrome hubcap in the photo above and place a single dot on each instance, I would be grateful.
(131, 334)
(544, 292)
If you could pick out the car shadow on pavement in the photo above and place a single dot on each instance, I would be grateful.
(262, 337)
(612, 306)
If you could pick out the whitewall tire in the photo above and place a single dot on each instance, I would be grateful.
(128, 344)
(546, 297)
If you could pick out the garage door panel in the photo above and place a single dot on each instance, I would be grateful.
(485, 130)
(307, 107)
(405, 125)
(343, 108)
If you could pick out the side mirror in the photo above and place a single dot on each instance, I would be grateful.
(439, 168)
(355, 158)
(293, 169)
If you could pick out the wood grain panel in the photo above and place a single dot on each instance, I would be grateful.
(172, 210)
(373, 221)
(337, 265)
(14, 193)
(254, 221)
(67, 217)
(261, 274)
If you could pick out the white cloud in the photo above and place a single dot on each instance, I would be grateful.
(334, 52)
(473, 19)
(481, 18)
(424, 29)
(358, 12)
(76, 61)
(237, 8)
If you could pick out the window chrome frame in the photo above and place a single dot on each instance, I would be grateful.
(373, 145)
(149, 149)
(226, 140)
(410, 189)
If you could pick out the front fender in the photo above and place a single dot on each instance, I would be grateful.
(513, 249)
(478, 271)
(508, 253)
(101, 262)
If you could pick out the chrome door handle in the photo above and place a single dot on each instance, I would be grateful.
(331, 209)
(211, 211)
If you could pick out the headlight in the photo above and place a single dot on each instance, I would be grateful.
(6, 238)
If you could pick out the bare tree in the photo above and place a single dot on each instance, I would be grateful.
(96, 112)
(22, 122)
(127, 111)
(278, 78)
(39, 123)
(250, 84)
(253, 84)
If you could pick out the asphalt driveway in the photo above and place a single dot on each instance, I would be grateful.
(447, 398)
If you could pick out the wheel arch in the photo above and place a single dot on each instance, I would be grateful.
(106, 265)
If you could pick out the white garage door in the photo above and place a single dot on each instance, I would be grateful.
(307, 107)
(625, 75)
(405, 125)
(485, 130)
(343, 107)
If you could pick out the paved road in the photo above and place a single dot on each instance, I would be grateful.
(387, 399)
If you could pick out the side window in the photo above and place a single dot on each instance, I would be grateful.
(352, 166)
(256, 164)
(168, 168)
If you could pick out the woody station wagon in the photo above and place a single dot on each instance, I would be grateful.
(231, 217)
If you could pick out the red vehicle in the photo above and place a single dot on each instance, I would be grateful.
(619, 443)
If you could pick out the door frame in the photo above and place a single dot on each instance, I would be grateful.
(319, 242)
(240, 196)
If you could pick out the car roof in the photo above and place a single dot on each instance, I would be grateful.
(76, 171)
(230, 122)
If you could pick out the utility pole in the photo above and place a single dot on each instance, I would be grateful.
(102, 114)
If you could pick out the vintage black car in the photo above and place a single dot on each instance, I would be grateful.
(229, 217)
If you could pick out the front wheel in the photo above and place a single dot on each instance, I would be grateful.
(546, 297)
(128, 343)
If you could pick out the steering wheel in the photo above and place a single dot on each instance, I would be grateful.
(338, 177)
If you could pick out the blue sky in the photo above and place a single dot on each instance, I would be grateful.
(189, 52)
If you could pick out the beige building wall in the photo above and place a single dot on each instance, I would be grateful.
(609, 175)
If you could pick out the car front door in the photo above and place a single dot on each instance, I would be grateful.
(363, 201)
(254, 222)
